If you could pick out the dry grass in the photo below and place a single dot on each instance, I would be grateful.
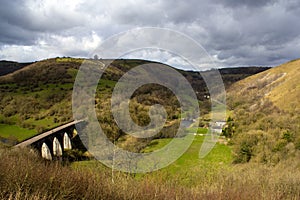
(24, 175)
(280, 85)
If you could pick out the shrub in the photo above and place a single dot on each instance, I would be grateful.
(245, 145)
(40, 129)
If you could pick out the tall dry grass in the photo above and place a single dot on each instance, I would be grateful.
(24, 175)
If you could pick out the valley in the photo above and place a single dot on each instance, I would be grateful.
(260, 138)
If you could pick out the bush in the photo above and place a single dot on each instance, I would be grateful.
(40, 129)
(229, 129)
(245, 145)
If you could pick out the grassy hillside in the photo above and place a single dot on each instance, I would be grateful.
(9, 131)
(38, 96)
(267, 114)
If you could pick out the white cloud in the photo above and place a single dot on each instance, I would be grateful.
(51, 46)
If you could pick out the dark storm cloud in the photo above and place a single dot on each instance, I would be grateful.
(11, 34)
(247, 3)
(244, 32)
(22, 24)
(37, 16)
(11, 20)
(236, 30)
(253, 33)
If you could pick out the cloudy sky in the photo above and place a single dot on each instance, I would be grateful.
(234, 33)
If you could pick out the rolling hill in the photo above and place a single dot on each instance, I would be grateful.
(266, 119)
(38, 96)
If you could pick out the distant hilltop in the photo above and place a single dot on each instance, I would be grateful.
(7, 67)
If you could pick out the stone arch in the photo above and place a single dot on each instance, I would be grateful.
(46, 152)
(57, 150)
(67, 142)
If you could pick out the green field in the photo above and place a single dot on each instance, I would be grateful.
(220, 154)
(46, 122)
(15, 131)
(188, 169)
